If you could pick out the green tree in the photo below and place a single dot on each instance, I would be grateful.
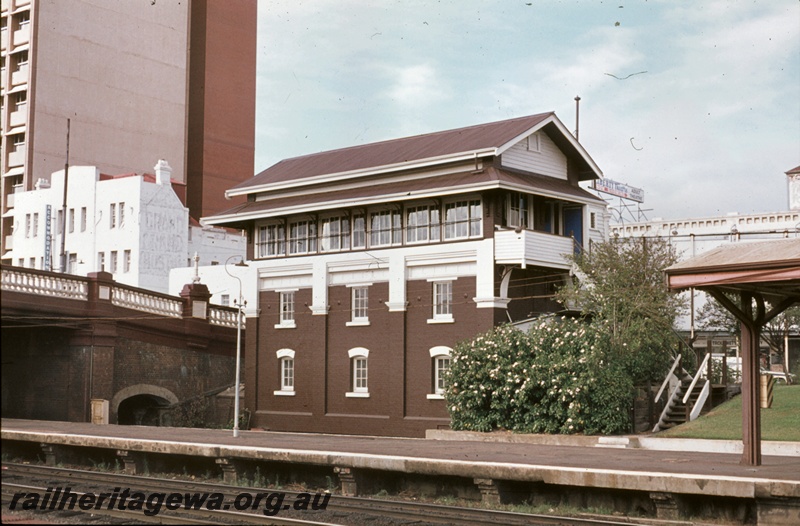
(621, 283)
(712, 316)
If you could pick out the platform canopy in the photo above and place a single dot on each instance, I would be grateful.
(755, 281)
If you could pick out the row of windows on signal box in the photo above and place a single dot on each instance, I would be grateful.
(442, 305)
(359, 372)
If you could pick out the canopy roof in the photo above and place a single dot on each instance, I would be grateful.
(771, 268)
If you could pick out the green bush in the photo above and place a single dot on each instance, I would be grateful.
(561, 377)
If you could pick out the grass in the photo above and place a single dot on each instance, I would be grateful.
(781, 422)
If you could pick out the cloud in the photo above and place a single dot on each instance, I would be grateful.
(415, 87)
(715, 114)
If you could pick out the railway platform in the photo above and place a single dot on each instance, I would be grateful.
(667, 475)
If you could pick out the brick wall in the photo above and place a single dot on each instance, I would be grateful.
(400, 365)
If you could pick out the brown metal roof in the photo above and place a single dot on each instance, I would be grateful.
(771, 267)
(397, 151)
(411, 189)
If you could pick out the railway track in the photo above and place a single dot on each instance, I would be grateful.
(26, 478)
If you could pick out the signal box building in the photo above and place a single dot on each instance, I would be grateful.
(370, 263)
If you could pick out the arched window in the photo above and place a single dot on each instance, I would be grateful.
(358, 373)
(440, 364)
(286, 368)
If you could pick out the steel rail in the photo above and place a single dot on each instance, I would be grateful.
(174, 517)
(353, 506)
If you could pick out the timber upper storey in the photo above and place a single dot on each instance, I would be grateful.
(422, 189)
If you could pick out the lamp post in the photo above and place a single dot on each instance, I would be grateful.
(240, 304)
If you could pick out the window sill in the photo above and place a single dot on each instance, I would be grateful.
(356, 395)
(283, 393)
(441, 320)
(357, 323)
(435, 397)
(285, 326)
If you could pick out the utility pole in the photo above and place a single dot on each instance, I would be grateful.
(64, 210)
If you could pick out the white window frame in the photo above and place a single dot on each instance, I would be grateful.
(71, 220)
(121, 214)
(20, 99)
(442, 299)
(593, 221)
(534, 143)
(23, 19)
(101, 261)
(334, 234)
(19, 142)
(271, 240)
(35, 224)
(286, 309)
(22, 59)
(453, 225)
(359, 305)
(439, 353)
(517, 214)
(112, 215)
(385, 227)
(302, 237)
(83, 219)
(359, 384)
(126, 263)
(113, 262)
(287, 372)
(359, 231)
(425, 227)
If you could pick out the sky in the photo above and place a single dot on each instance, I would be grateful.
(695, 102)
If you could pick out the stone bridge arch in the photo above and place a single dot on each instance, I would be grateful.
(138, 402)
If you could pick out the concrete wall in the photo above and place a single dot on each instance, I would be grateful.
(118, 71)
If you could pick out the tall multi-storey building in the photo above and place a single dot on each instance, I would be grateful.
(368, 264)
(131, 82)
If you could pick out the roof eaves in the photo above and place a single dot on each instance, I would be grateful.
(375, 170)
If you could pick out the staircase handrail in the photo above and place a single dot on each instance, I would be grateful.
(669, 374)
(697, 376)
(701, 401)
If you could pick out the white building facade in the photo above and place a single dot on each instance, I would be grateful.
(133, 226)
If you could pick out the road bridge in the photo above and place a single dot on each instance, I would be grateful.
(68, 340)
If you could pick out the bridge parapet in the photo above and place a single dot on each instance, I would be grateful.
(101, 286)
(222, 316)
(45, 284)
(147, 302)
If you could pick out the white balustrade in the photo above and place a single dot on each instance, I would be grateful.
(223, 317)
(142, 301)
(42, 285)
(528, 247)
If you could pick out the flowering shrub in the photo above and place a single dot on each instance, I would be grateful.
(561, 377)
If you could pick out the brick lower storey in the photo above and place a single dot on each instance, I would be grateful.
(399, 400)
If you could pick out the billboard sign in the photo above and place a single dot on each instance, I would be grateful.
(607, 186)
